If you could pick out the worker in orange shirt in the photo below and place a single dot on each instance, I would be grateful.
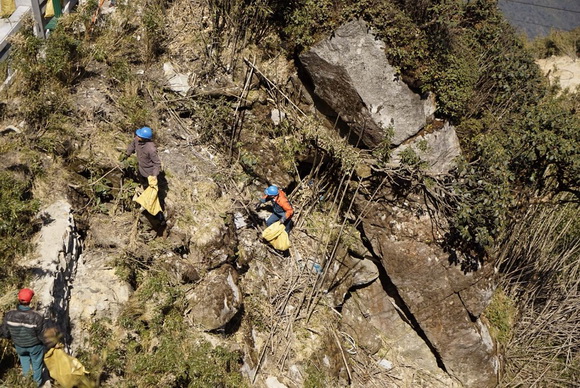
(282, 209)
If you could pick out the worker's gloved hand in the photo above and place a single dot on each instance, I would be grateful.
(262, 200)
(122, 157)
(152, 180)
(258, 205)
(283, 219)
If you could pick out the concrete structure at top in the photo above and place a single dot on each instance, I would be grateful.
(12, 24)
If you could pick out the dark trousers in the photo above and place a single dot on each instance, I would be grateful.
(275, 217)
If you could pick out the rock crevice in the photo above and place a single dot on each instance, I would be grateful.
(428, 285)
(400, 306)
(54, 264)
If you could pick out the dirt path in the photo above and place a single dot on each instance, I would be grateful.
(565, 68)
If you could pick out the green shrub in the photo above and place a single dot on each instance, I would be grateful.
(46, 69)
(135, 110)
(485, 195)
(59, 58)
(66, 53)
(25, 58)
(154, 26)
(501, 314)
(120, 72)
(315, 378)
(453, 81)
(531, 156)
(544, 146)
(305, 20)
(17, 209)
(163, 349)
(187, 364)
(410, 158)
(213, 118)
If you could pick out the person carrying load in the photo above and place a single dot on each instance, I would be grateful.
(282, 209)
(149, 171)
(142, 145)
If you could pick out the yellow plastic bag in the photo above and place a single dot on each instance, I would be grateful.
(282, 242)
(277, 236)
(150, 197)
(273, 231)
(66, 369)
(8, 8)
(49, 12)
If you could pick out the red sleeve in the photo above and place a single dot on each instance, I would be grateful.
(283, 201)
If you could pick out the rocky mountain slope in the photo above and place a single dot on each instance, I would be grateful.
(367, 295)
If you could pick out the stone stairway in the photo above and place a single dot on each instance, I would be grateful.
(12, 24)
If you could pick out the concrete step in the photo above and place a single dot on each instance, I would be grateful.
(12, 24)
(20, 12)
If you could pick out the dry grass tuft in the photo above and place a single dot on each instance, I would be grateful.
(541, 272)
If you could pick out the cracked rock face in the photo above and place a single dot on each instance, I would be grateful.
(375, 322)
(348, 272)
(53, 263)
(95, 297)
(351, 74)
(444, 302)
(438, 149)
(68, 292)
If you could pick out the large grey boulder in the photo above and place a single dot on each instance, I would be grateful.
(438, 148)
(444, 301)
(216, 246)
(351, 74)
(216, 300)
(197, 208)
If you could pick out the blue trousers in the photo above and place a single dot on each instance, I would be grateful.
(32, 356)
(275, 217)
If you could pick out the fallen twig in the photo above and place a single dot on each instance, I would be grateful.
(343, 356)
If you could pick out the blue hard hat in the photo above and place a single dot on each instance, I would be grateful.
(145, 133)
(271, 190)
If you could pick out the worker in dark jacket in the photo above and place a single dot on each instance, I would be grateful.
(282, 209)
(149, 164)
(25, 326)
(143, 146)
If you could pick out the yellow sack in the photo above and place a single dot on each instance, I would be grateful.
(150, 198)
(8, 8)
(277, 236)
(66, 369)
(282, 242)
(273, 231)
(49, 12)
